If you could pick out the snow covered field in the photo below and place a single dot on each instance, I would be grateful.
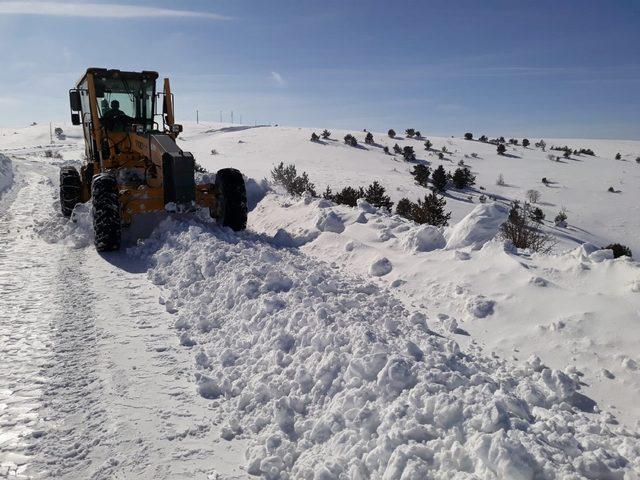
(325, 342)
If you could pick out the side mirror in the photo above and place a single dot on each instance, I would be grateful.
(74, 101)
(75, 118)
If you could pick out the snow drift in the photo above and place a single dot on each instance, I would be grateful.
(478, 227)
(332, 377)
(6, 173)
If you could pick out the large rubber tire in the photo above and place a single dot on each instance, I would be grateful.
(70, 188)
(107, 217)
(232, 199)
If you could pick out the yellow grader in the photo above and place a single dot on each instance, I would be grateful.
(133, 164)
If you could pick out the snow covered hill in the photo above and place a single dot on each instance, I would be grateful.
(326, 342)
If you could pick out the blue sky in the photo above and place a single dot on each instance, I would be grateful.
(522, 68)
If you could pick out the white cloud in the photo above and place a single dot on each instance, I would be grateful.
(277, 79)
(98, 10)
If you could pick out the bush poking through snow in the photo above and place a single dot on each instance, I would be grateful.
(484, 139)
(368, 139)
(500, 181)
(428, 145)
(386, 150)
(397, 149)
(619, 250)
(618, 156)
(439, 179)
(391, 133)
(468, 136)
(315, 137)
(410, 132)
(408, 153)
(214, 151)
(522, 231)
(431, 211)
(537, 215)
(533, 196)
(199, 168)
(326, 134)
(350, 140)
(375, 195)
(421, 174)
(561, 219)
(525, 142)
(501, 149)
(287, 176)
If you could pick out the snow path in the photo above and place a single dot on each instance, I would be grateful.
(92, 385)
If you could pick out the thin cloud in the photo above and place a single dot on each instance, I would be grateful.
(99, 10)
(277, 79)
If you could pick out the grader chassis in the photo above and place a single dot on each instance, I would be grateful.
(133, 164)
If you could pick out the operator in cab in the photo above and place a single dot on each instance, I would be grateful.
(115, 119)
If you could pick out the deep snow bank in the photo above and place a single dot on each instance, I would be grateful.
(331, 377)
(6, 173)
(478, 227)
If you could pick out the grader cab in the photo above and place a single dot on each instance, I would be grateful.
(133, 164)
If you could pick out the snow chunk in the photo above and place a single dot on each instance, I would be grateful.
(380, 267)
(480, 307)
(423, 239)
(366, 206)
(601, 255)
(478, 227)
(329, 222)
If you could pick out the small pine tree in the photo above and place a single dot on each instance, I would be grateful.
(501, 149)
(375, 195)
(404, 207)
(421, 174)
(566, 154)
(314, 137)
(418, 134)
(327, 194)
(410, 132)
(408, 153)
(391, 133)
(428, 145)
(397, 149)
(368, 139)
(525, 142)
(470, 179)
(459, 180)
(483, 139)
(326, 134)
(350, 140)
(386, 150)
(618, 156)
(619, 250)
(561, 219)
(468, 136)
(439, 179)
(440, 155)
(501, 140)
(537, 215)
(444, 149)
(431, 211)
(348, 196)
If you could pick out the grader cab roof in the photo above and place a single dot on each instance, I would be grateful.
(113, 73)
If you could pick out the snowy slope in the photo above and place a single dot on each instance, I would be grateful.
(330, 342)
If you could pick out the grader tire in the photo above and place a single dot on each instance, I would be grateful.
(232, 200)
(107, 219)
(70, 188)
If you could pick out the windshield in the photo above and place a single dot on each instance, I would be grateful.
(128, 99)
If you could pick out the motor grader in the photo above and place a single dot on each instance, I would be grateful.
(133, 164)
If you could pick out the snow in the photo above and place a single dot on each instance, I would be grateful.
(326, 341)
(6, 173)
(478, 227)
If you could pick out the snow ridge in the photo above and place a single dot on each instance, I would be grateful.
(6, 173)
(332, 377)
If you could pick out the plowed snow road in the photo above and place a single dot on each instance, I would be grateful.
(93, 383)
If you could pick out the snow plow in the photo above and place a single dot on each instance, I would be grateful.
(133, 164)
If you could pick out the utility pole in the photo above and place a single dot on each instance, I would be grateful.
(197, 117)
